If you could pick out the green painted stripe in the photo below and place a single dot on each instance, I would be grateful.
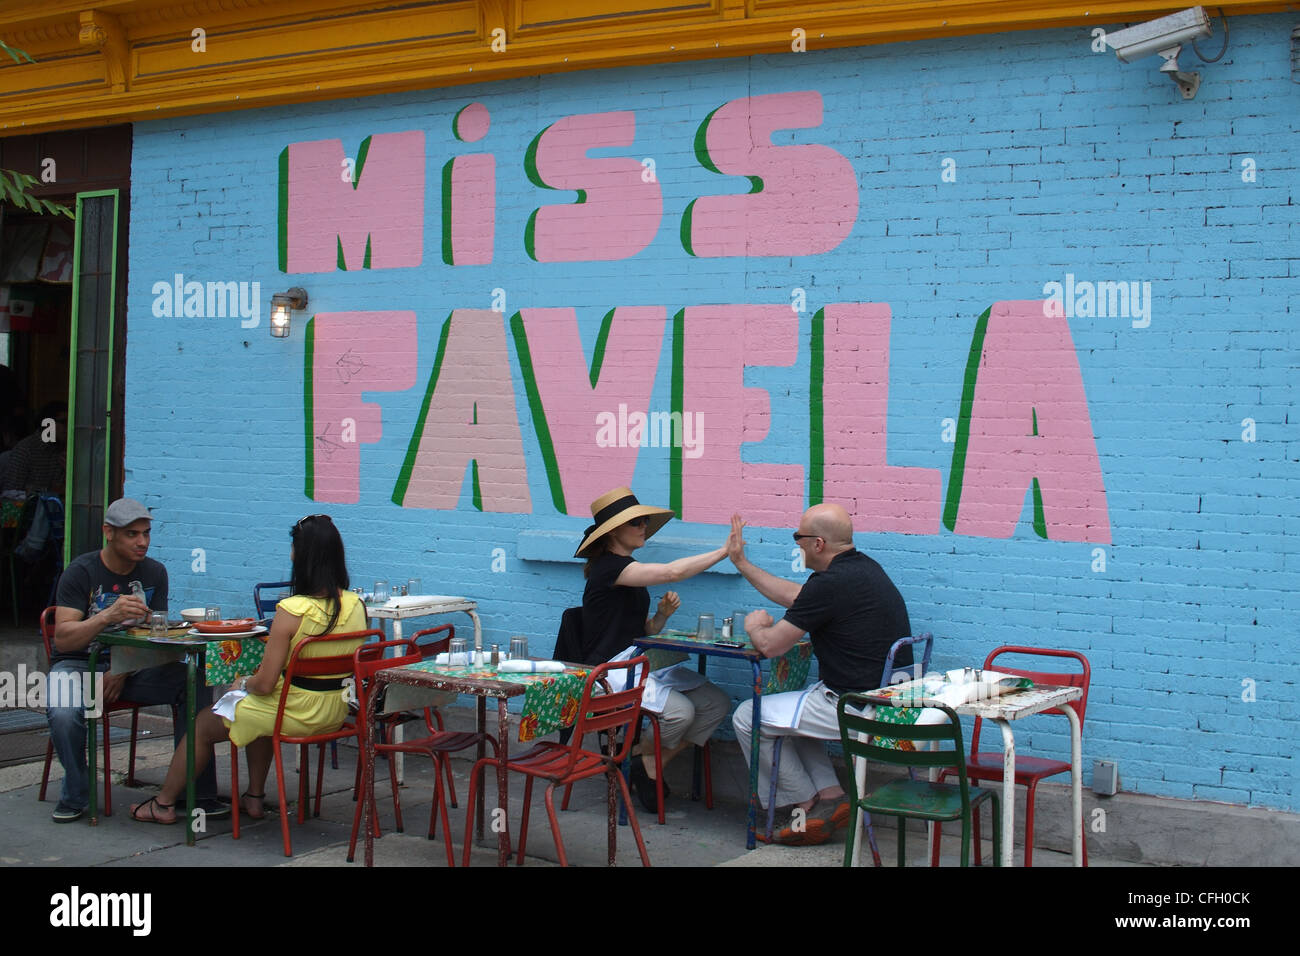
(678, 393)
(283, 214)
(447, 254)
(413, 449)
(598, 354)
(957, 471)
(817, 410)
(540, 425)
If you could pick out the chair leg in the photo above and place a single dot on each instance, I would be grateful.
(902, 841)
(304, 781)
(45, 775)
(555, 825)
(236, 797)
(997, 830)
(320, 776)
(631, 816)
(979, 840)
(523, 820)
(771, 789)
(451, 783)
(440, 803)
(397, 800)
(475, 775)
(611, 827)
(1029, 822)
(356, 820)
(708, 776)
(852, 834)
(106, 726)
(130, 767)
(659, 774)
(334, 757)
(284, 802)
(871, 837)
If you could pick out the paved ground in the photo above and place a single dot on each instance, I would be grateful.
(692, 836)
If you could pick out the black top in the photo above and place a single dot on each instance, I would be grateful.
(854, 614)
(89, 586)
(612, 616)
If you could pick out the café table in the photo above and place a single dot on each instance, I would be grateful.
(1003, 710)
(398, 609)
(192, 647)
(711, 647)
(483, 682)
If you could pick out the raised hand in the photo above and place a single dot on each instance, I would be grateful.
(668, 604)
(736, 540)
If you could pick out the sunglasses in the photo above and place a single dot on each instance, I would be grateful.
(303, 521)
(640, 522)
(799, 537)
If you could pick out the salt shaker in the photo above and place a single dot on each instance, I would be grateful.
(726, 628)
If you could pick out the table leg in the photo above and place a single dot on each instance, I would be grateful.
(191, 675)
(478, 630)
(503, 794)
(368, 779)
(860, 837)
(753, 754)
(1076, 784)
(1009, 790)
(697, 763)
(481, 708)
(92, 726)
(399, 732)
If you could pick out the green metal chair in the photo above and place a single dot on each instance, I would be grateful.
(893, 737)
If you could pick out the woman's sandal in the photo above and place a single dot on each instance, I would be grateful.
(154, 804)
(248, 794)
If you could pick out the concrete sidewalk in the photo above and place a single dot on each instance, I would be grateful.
(692, 835)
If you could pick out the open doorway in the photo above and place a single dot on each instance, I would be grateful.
(62, 332)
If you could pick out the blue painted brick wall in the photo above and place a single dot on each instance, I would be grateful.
(1099, 170)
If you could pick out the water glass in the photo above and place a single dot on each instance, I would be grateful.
(413, 586)
(457, 652)
(519, 648)
(212, 613)
(157, 623)
(738, 625)
(705, 629)
(381, 592)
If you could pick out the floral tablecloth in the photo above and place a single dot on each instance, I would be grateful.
(550, 703)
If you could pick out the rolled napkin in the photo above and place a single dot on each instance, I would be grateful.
(530, 667)
(455, 660)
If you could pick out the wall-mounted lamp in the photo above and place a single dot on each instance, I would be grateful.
(282, 304)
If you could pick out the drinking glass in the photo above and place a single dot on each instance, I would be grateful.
(381, 592)
(212, 613)
(519, 648)
(413, 586)
(705, 629)
(738, 625)
(457, 652)
(157, 623)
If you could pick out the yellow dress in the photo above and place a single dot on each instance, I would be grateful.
(305, 711)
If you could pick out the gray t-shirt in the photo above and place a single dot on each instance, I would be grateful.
(89, 587)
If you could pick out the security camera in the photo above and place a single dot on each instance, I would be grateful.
(1166, 37)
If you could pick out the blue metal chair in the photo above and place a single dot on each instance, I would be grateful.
(887, 677)
(263, 608)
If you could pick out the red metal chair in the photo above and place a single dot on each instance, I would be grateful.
(987, 765)
(117, 706)
(316, 668)
(615, 713)
(438, 744)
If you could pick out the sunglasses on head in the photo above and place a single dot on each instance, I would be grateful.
(303, 521)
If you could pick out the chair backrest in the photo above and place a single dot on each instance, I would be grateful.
(887, 741)
(568, 643)
(617, 713)
(430, 648)
(265, 606)
(1081, 678)
(919, 668)
(330, 665)
(369, 658)
(47, 632)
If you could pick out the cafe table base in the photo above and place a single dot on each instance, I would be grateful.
(483, 683)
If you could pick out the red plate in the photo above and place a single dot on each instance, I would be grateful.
(224, 627)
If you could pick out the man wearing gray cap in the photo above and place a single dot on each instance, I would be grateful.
(108, 589)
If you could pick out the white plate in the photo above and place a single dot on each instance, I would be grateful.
(217, 638)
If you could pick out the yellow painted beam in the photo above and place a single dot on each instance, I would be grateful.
(128, 60)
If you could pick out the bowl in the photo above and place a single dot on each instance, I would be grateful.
(192, 614)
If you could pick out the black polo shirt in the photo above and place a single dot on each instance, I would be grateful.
(854, 614)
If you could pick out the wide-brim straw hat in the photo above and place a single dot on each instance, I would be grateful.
(618, 507)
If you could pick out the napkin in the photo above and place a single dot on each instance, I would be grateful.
(530, 667)
(226, 706)
(457, 660)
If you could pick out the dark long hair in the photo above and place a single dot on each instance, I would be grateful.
(319, 568)
(598, 548)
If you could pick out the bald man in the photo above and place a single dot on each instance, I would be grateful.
(853, 613)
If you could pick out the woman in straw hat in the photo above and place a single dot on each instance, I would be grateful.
(615, 612)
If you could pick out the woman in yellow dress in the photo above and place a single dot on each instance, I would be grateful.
(321, 604)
